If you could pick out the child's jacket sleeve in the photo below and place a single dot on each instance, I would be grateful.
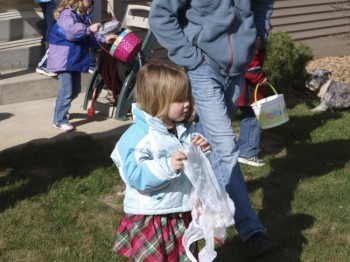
(71, 28)
(141, 168)
(255, 74)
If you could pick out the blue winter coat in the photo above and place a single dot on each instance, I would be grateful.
(70, 40)
(143, 156)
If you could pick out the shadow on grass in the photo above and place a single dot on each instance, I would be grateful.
(31, 169)
(303, 159)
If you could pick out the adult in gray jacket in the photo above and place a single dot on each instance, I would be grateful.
(215, 43)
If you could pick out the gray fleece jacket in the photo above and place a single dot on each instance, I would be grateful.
(222, 32)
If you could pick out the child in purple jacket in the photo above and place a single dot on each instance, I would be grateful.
(70, 40)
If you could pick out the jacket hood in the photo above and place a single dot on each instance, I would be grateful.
(144, 119)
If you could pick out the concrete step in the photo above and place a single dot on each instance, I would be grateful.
(8, 5)
(21, 24)
(20, 54)
(26, 85)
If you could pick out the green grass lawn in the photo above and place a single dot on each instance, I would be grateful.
(59, 201)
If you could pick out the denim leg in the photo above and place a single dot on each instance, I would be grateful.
(48, 18)
(45, 7)
(249, 133)
(216, 103)
(70, 86)
(48, 12)
(76, 84)
(54, 5)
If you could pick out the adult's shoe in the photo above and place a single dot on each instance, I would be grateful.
(259, 243)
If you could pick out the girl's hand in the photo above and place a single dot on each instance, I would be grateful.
(95, 27)
(264, 81)
(111, 38)
(176, 160)
(201, 142)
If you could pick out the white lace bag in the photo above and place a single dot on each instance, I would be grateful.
(213, 209)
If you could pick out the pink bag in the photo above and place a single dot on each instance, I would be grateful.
(126, 46)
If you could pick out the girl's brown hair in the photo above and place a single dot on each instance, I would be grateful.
(158, 84)
(71, 4)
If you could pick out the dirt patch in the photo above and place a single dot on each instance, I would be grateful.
(338, 65)
(114, 200)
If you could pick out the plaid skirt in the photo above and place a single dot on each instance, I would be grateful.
(153, 238)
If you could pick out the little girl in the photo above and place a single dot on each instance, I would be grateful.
(149, 157)
(70, 40)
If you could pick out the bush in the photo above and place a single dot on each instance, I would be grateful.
(286, 62)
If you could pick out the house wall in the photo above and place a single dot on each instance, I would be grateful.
(324, 25)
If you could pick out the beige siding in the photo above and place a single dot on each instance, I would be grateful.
(324, 25)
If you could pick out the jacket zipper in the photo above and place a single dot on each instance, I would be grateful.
(231, 54)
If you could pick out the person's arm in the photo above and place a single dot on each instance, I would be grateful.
(254, 73)
(141, 169)
(72, 29)
(164, 23)
(262, 10)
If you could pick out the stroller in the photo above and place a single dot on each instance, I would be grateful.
(117, 76)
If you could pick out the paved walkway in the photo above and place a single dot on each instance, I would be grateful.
(31, 121)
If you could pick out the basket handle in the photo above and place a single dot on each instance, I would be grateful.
(256, 90)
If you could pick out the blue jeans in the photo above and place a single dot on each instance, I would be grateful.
(216, 98)
(249, 134)
(70, 87)
(48, 11)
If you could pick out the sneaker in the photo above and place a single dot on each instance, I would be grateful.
(252, 160)
(64, 127)
(42, 70)
(260, 243)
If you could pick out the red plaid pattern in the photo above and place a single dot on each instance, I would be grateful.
(156, 238)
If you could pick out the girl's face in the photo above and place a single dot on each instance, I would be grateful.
(178, 111)
(87, 3)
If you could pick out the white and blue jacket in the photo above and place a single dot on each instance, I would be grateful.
(143, 156)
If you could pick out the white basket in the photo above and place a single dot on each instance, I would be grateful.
(270, 111)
